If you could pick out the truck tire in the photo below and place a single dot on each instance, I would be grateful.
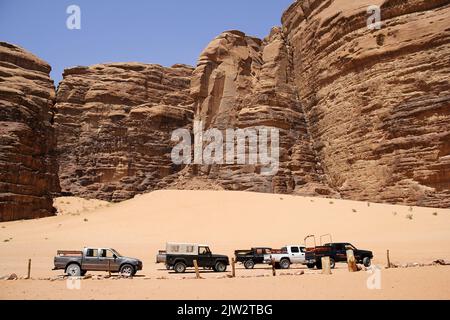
(180, 267)
(220, 267)
(310, 265)
(127, 270)
(285, 264)
(319, 265)
(73, 270)
(367, 262)
(332, 263)
(249, 264)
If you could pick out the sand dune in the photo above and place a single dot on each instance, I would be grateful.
(228, 221)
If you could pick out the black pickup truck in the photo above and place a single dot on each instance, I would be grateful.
(337, 253)
(180, 256)
(251, 257)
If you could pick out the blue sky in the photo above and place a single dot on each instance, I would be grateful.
(163, 31)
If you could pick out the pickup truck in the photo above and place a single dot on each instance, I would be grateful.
(251, 257)
(284, 257)
(337, 253)
(77, 263)
(180, 256)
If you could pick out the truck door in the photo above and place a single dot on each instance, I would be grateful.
(107, 262)
(204, 258)
(258, 256)
(302, 255)
(294, 254)
(341, 253)
(90, 261)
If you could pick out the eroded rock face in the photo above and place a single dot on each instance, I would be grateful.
(114, 124)
(28, 163)
(377, 101)
(243, 82)
(362, 114)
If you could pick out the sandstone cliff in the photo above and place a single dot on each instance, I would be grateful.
(377, 101)
(114, 123)
(28, 163)
(243, 82)
(363, 114)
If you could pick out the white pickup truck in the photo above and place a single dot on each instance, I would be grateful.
(284, 257)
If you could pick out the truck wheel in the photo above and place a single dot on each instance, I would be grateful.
(249, 264)
(220, 267)
(332, 263)
(127, 270)
(319, 265)
(367, 262)
(179, 267)
(73, 270)
(310, 265)
(285, 264)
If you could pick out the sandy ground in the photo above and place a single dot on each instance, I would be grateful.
(411, 283)
(228, 221)
(75, 206)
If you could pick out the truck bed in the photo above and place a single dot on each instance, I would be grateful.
(64, 258)
(242, 252)
(313, 254)
(320, 249)
(69, 253)
(279, 251)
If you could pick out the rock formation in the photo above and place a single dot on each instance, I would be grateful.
(28, 163)
(377, 101)
(243, 82)
(363, 113)
(114, 124)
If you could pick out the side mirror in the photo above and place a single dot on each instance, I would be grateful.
(115, 257)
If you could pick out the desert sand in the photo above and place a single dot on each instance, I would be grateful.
(228, 221)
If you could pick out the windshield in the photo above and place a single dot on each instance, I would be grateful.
(349, 247)
(203, 250)
(116, 253)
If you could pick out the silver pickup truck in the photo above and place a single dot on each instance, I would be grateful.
(284, 257)
(77, 263)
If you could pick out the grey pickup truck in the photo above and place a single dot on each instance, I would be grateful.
(77, 263)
